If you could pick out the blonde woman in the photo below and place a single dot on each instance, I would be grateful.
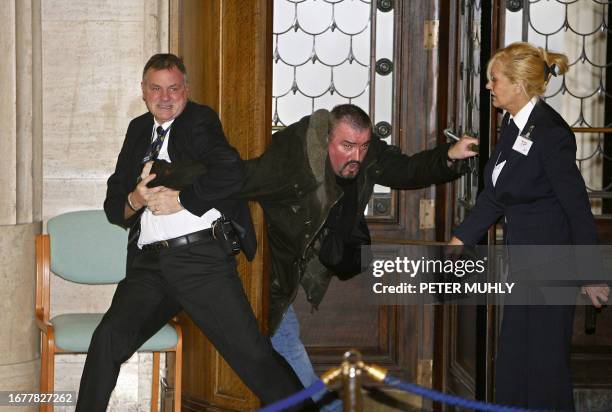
(531, 180)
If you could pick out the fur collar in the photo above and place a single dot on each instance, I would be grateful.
(316, 143)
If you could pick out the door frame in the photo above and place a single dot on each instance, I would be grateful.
(448, 374)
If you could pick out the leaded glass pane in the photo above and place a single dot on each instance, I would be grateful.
(579, 29)
(324, 55)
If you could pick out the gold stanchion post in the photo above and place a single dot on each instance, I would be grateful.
(350, 373)
(352, 399)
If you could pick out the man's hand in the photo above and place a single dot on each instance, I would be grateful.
(139, 198)
(461, 149)
(141, 195)
(597, 293)
(164, 202)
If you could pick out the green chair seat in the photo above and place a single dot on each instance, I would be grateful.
(73, 333)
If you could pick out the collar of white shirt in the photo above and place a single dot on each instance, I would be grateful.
(164, 125)
(520, 120)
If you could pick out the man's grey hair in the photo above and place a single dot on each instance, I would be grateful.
(165, 61)
(355, 116)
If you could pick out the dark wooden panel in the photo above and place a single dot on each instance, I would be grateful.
(383, 334)
(604, 229)
(463, 344)
(195, 33)
(345, 319)
(592, 353)
(592, 370)
(599, 341)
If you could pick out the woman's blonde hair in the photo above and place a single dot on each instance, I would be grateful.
(529, 66)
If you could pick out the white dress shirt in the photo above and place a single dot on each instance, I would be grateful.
(163, 227)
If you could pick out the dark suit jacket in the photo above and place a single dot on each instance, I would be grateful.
(542, 195)
(196, 134)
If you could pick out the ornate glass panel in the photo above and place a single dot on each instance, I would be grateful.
(468, 110)
(578, 28)
(328, 52)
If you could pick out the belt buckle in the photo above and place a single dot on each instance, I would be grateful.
(164, 244)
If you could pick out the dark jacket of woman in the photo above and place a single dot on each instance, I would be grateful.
(541, 195)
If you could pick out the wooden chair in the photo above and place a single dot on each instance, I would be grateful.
(82, 247)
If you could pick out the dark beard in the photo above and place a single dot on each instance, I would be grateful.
(347, 164)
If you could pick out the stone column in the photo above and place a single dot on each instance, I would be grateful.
(20, 190)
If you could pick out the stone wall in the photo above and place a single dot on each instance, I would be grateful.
(20, 192)
(71, 85)
(93, 53)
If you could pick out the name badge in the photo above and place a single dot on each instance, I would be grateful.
(522, 145)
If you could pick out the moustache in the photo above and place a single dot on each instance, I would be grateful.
(350, 162)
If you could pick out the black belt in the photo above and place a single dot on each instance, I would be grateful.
(179, 241)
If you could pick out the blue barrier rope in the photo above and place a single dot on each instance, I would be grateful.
(295, 398)
(451, 399)
(407, 387)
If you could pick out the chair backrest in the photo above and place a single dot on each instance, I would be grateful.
(86, 248)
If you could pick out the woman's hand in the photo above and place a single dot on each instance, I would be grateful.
(451, 250)
(597, 293)
(455, 241)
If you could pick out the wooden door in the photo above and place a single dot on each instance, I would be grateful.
(464, 334)
(401, 338)
(226, 45)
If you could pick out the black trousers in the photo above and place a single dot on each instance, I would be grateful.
(205, 283)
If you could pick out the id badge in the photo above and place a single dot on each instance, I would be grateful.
(522, 145)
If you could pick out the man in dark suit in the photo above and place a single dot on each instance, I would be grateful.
(171, 252)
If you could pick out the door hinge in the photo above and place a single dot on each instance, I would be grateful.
(427, 214)
(430, 38)
(425, 372)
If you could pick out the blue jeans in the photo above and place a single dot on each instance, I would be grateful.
(286, 341)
